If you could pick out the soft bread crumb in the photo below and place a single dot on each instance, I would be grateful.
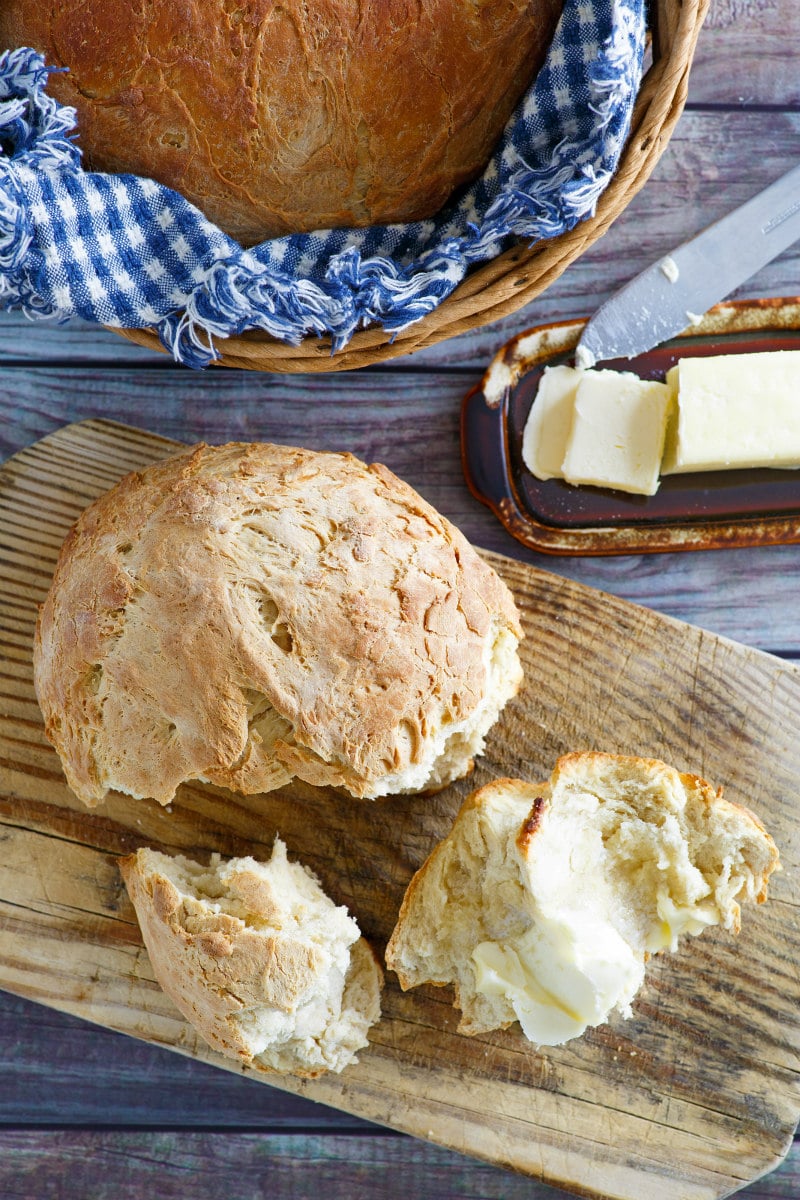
(452, 744)
(265, 966)
(544, 902)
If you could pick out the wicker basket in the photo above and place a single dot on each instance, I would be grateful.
(513, 279)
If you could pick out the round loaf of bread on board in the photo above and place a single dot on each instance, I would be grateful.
(248, 613)
(279, 118)
(265, 966)
(544, 901)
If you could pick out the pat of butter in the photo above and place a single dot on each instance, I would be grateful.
(678, 919)
(669, 269)
(562, 975)
(734, 411)
(544, 439)
(618, 430)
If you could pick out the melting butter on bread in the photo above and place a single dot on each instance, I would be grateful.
(544, 902)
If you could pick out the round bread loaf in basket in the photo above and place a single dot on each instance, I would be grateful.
(510, 281)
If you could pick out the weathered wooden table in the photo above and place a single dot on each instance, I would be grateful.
(87, 1114)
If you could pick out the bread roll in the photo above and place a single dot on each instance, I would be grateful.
(278, 118)
(545, 900)
(248, 613)
(258, 958)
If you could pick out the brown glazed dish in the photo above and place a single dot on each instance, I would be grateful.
(706, 510)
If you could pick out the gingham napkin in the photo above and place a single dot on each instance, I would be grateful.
(127, 252)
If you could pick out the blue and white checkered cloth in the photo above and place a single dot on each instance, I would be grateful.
(129, 253)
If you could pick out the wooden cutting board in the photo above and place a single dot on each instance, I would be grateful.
(694, 1097)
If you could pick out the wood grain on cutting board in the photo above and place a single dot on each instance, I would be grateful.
(695, 1096)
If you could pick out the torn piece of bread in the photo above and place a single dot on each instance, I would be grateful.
(265, 966)
(248, 613)
(544, 901)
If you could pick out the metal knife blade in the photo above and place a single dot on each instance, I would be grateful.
(665, 298)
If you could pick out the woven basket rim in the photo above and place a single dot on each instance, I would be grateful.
(499, 288)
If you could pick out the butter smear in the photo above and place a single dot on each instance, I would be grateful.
(608, 880)
(562, 976)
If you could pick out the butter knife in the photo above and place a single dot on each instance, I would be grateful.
(673, 293)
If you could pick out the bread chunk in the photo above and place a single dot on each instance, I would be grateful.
(544, 901)
(249, 613)
(265, 966)
(281, 118)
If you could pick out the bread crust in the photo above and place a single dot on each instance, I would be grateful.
(246, 613)
(516, 796)
(278, 118)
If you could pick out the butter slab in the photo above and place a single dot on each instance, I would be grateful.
(735, 411)
(544, 439)
(618, 431)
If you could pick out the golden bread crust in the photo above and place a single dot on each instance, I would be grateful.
(278, 118)
(475, 827)
(214, 969)
(246, 613)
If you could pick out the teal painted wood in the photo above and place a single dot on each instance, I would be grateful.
(173, 1165)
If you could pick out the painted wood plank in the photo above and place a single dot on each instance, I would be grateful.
(699, 1093)
(126, 1165)
(79, 343)
(59, 1070)
(708, 169)
(410, 422)
(762, 39)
